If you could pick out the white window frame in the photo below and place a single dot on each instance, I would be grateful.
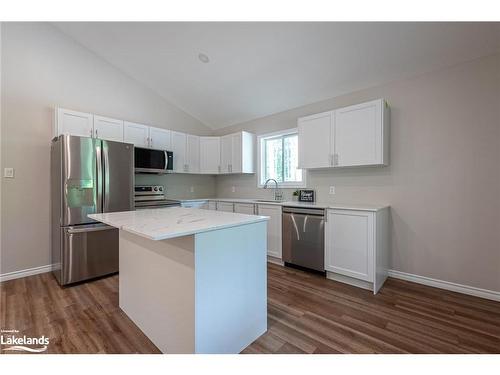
(260, 157)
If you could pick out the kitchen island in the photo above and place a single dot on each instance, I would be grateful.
(194, 281)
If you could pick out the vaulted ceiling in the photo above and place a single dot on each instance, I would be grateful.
(257, 69)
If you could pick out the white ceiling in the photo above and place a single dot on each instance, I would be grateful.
(257, 69)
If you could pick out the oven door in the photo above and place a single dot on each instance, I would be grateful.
(152, 161)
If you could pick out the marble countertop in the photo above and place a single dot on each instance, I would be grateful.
(331, 205)
(164, 223)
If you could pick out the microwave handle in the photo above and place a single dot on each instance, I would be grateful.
(166, 160)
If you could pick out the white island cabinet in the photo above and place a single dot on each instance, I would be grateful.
(194, 281)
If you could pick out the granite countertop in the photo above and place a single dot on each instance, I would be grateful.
(324, 205)
(163, 223)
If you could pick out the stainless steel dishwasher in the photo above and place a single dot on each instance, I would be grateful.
(304, 237)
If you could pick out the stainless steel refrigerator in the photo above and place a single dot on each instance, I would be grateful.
(88, 175)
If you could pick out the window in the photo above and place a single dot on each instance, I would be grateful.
(278, 159)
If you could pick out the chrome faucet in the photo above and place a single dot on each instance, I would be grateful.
(278, 195)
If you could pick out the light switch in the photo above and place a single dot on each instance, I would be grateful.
(332, 190)
(191, 189)
(233, 189)
(8, 172)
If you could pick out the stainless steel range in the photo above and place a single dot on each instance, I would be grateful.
(152, 196)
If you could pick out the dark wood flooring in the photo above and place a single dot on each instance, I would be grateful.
(306, 314)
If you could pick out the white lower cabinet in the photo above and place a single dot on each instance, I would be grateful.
(273, 228)
(225, 206)
(244, 208)
(356, 247)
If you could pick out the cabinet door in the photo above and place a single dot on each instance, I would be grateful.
(236, 153)
(226, 153)
(179, 151)
(225, 206)
(138, 134)
(358, 138)
(273, 228)
(160, 139)
(74, 123)
(314, 141)
(192, 153)
(350, 243)
(209, 155)
(109, 129)
(212, 205)
(244, 208)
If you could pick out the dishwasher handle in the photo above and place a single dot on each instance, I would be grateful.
(304, 211)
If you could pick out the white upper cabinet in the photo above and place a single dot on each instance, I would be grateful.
(138, 134)
(107, 128)
(74, 123)
(315, 140)
(179, 151)
(226, 153)
(210, 155)
(237, 153)
(357, 135)
(160, 139)
(233, 153)
(192, 153)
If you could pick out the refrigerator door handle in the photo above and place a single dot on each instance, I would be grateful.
(84, 230)
(105, 175)
(99, 175)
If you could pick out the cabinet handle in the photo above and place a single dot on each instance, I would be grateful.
(335, 159)
(91, 133)
(151, 141)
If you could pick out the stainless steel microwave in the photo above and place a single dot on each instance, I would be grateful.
(148, 160)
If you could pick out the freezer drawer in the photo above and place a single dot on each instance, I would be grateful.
(88, 251)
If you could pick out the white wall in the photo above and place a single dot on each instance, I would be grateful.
(42, 68)
(443, 183)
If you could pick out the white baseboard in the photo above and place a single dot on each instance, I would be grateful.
(454, 287)
(274, 260)
(26, 272)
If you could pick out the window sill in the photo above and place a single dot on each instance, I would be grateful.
(282, 186)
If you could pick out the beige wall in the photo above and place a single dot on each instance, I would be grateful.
(42, 68)
(443, 183)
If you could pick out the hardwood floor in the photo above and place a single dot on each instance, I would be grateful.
(306, 314)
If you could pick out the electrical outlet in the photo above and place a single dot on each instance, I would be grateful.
(191, 189)
(332, 190)
(233, 189)
(8, 172)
